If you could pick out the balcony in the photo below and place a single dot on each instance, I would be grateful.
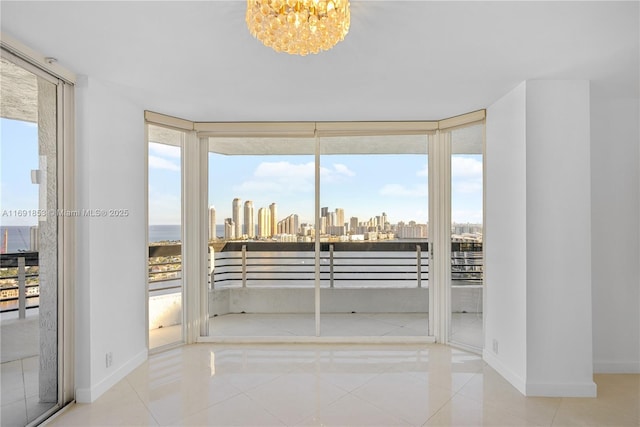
(266, 290)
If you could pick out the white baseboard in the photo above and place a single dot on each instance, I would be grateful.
(586, 389)
(616, 367)
(507, 374)
(88, 395)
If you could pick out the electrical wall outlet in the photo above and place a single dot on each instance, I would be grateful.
(495, 346)
(108, 359)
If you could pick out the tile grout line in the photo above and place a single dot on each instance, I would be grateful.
(24, 391)
(141, 400)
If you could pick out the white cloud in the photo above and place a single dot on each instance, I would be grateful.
(343, 170)
(466, 167)
(466, 175)
(397, 190)
(286, 177)
(164, 150)
(156, 162)
(423, 172)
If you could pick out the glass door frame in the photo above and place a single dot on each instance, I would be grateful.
(64, 82)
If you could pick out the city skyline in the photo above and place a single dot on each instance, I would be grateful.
(332, 223)
(359, 184)
(354, 182)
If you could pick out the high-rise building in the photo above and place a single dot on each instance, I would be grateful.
(249, 220)
(273, 210)
(212, 223)
(339, 217)
(264, 223)
(289, 225)
(324, 211)
(229, 229)
(237, 219)
(331, 219)
(293, 224)
(353, 225)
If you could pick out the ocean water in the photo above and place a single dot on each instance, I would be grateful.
(18, 237)
(160, 233)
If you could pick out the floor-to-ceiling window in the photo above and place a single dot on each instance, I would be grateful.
(34, 290)
(165, 284)
(466, 236)
(323, 229)
(374, 230)
(261, 236)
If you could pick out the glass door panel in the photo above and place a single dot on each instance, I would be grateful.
(166, 296)
(466, 325)
(261, 236)
(29, 234)
(374, 235)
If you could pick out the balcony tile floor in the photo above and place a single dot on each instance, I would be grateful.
(339, 385)
(331, 324)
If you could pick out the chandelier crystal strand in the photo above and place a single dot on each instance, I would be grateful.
(298, 27)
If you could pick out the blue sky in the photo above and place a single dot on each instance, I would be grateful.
(363, 185)
(18, 156)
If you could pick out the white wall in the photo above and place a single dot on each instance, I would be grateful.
(615, 142)
(538, 244)
(559, 328)
(505, 237)
(110, 290)
(111, 252)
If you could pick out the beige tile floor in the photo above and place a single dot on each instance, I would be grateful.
(19, 371)
(339, 385)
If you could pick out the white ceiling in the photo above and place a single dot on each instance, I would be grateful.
(415, 60)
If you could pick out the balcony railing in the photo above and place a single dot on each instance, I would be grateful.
(165, 269)
(19, 282)
(342, 264)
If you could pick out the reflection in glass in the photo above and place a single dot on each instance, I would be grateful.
(29, 234)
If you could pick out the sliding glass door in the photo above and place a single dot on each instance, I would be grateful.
(374, 235)
(261, 236)
(34, 291)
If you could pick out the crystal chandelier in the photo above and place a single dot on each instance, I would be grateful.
(298, 27)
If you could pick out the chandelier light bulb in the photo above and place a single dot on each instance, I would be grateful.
(298, 27)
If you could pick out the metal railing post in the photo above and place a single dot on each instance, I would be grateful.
(22, 289)
(210, 267)
(419, 261)
(244, 266)
(331, 265)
